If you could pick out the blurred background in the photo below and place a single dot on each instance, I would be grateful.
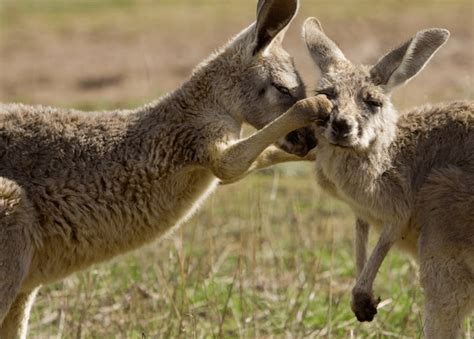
(270, 256)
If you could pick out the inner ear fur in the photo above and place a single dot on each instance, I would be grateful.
(272, 17)
(406, 61)
(323, 50)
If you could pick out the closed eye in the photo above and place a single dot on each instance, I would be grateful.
(282, 89)
(372, 99)
(373, 103)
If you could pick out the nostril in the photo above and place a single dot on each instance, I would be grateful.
(341, 127)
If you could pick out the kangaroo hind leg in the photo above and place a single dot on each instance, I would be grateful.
(15, 324)
(15, 256)
(446, 251)
(448, 285)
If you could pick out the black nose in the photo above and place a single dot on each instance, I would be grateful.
(341, 127)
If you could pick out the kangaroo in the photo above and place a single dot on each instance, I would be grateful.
(410, 176)
(78, 188)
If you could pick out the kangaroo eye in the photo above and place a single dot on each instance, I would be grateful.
(282, 89)
(372, 99)
(373, 103)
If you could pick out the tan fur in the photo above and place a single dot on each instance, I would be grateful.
(78, 188)
(411, 176)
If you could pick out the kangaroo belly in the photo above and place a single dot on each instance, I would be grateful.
(408, 241)
(90, 228)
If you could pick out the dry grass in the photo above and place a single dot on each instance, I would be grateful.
(270, 256)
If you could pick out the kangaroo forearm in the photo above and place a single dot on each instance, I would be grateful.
(269, 157)
(361, 241)
(273, 156)
(387, 239)
(236, 159)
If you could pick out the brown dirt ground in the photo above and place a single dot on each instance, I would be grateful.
(90, 55)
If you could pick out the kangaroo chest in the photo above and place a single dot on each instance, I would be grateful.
(343, 180)
(345, 186)
(329, 185)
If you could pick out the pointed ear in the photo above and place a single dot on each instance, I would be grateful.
(323, 50)
(403, 63)
(273, 16)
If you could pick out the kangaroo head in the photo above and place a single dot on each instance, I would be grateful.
(363, 114)
(266, 83)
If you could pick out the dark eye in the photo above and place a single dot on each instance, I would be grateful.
(282, 89)
(372, 103)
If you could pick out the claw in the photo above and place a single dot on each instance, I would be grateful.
(364, 306)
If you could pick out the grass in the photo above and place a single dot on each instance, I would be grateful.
(93, 15)
(106, 53)
(271, 256)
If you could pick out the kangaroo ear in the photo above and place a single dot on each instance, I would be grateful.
(403, 63)
(323, 50)
(273, 16)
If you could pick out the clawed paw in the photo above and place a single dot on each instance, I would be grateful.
(364, 305)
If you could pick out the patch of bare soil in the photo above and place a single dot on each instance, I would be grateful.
(113, 64)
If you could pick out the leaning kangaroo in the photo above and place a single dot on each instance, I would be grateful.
(79, 188)
(411, 176)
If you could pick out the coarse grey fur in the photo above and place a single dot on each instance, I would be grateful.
(78, 188)
(411, 176)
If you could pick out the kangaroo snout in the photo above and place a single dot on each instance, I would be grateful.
(341, 128)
